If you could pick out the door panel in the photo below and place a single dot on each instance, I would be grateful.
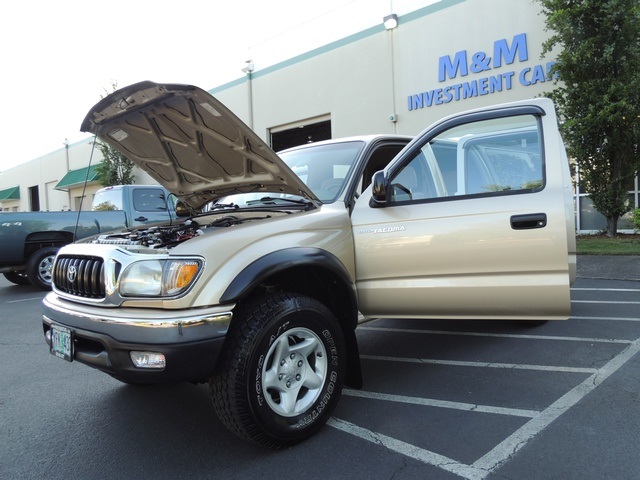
(474, 225)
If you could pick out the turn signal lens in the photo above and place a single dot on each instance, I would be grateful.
(180, 274)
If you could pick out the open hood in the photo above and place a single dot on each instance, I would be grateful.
(190, 143)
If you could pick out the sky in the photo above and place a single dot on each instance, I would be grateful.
(58, 58)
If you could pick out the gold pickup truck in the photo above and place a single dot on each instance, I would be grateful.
(277, 257)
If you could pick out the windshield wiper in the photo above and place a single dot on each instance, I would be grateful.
(217, 206)
(276, 200)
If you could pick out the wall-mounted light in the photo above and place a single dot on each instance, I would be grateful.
(390, 21)
(249, 67)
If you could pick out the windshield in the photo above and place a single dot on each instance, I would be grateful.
(324, 168)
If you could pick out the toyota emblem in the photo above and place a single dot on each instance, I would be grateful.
(72, 273)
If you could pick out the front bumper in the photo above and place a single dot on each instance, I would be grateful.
(103, 338)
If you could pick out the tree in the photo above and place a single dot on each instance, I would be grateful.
(115, 168)
(597, 75)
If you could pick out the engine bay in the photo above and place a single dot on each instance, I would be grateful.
(169, 236)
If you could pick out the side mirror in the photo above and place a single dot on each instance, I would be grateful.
(182, 210)
(378, 190)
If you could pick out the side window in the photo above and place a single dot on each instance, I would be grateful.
(421, 179)
(379, 159)
(149, 200)
(485, 158)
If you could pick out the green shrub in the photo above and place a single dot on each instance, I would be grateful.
(636, 219)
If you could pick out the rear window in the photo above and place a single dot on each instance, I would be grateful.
(108, 199)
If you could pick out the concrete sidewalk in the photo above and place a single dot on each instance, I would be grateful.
(612, 267)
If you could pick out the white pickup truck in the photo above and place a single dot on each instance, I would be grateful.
(259, 288)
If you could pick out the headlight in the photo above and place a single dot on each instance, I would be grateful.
(158, 278)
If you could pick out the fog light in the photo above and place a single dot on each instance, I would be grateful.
(148, 360)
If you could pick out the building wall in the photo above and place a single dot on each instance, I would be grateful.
(45, 172)
(351, 84)
(471, 30)
(364, 79)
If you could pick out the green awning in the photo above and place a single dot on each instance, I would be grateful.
(12, 193)
(77, 178)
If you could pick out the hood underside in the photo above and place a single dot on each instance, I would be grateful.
(190, 143)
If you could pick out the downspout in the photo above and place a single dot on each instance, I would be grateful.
(248, 70)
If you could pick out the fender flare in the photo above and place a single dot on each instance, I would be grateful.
(273, 263)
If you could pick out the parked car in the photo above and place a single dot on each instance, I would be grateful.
(260, 295)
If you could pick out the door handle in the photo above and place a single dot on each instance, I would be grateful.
(529, 221)
(141, 219)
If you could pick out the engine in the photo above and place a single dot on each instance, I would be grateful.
(167, 236)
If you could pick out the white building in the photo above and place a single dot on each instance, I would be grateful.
(56, 181)
(446, 57)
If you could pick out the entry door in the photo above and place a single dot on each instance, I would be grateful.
(474, 221)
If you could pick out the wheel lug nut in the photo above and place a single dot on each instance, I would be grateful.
(298, 377)
(283, 362)
(300, 363)
(292, 356)
(281, 376)
(288, 384)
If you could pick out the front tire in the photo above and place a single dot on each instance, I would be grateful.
(281, 371)
(40, 267)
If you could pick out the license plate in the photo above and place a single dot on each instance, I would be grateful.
(61, 342)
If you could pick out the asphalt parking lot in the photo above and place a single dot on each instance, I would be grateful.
(505, 400)
(442, 400)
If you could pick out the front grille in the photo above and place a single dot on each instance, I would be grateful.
(79, 275)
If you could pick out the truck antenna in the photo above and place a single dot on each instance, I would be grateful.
(84, 186)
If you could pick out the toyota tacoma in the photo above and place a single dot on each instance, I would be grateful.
(276, 258)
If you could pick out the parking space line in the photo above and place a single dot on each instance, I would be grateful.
(615, 319)
(605, 290)
(500, 454)
(430, 402)
(457, 363)
(606, 302)
(408, 450)
(493, 335)
(509, 446)
(537, 420)
(25, 300)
